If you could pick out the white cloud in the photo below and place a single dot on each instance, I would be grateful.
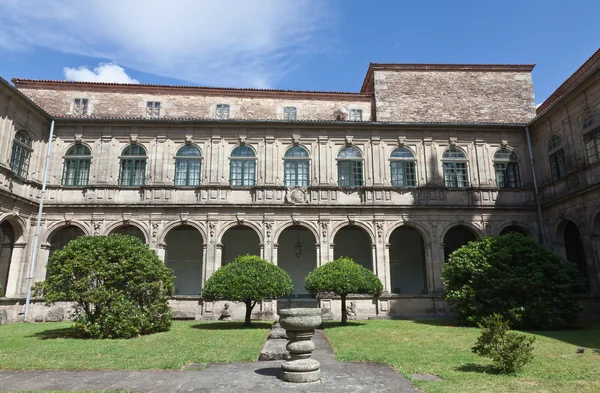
(105, 72)
(237, 43)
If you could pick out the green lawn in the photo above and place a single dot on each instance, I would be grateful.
(54, 346)
(439, 348)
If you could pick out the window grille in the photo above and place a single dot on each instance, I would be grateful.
(242, 167)
(76, 170)
(21, 153)
(350, 167)
(557, 158)
(403, 168)
(296, 167)
(454, 163)
(188, 163)
(133, 166)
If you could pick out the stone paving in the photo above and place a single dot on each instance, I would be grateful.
(235, 377)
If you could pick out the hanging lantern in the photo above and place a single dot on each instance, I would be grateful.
(298, 246)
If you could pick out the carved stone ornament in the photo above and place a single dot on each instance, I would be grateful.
(324, 230)
(401, 141)
(452, 141)
(349, 139)
(504, 144)
(268, 231)
(126, 218)
(97, 225)
(296, 195)
(242, 139)
(379, 226)
(155, 226)
(296, 139)
(184, 217)
(211, 231)
(188, 140)
(133, 139)
(78, 139)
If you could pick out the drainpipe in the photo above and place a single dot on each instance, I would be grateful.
(38, 225)
(535, 188)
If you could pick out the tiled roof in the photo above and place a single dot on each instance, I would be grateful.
(586, 69)
(24, 97)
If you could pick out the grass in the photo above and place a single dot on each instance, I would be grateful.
(439, 348)
(46, 346)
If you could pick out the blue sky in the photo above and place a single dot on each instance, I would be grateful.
(296, 44)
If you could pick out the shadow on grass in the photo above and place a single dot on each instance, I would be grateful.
(232, 326)
(478, 368)
(334, 324)
(52, 334)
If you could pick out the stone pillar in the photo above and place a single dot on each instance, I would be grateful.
(323, 161)
(590, 263)
(274, 258)
(102, 170)
(160, 164)
(213, 160)
(42, 260)
(270, 161)
(387, 284)
(429, 266)
(16, 261)
(162, 251)
(323, 239)
(436, 266)
(204, 277)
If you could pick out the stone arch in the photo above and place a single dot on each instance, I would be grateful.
(184, 254)
(515, 227)
(18, 224)
(422, 229)
(476, 231)
(57, 226)
(8, 238)
(408, 271)
(232, 224)
(335, 229)
(112, 227)
(354, 242)
(175, 224)
(239, 240)
(297, 254)
(282, 227)
(457, 236)
(570, 245)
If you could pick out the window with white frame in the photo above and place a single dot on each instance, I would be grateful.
(80, 107)
(557, 158)
(350, 167)
(355, 115)
(289, 113)
(153, 110)
(506, 166)
(591, 136)
(454, 162)
(403, 167)
(242, 172)
(222, 111)
(296, 166)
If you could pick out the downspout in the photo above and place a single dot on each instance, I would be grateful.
(536, 191)
(38, 225)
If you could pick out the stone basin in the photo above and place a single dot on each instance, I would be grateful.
(300, 319)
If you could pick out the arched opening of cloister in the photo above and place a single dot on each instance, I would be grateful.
(297, 255)
(456, 237)
(574, 248)
(7, 244)
(354, 242)
(61, 237)
(514, 229)
(239, 240)
(184, 255)
(407, 261)
(130, 230)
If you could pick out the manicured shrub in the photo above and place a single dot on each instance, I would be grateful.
(514, 276)
(248, 279)
(120, 286)
(341, 278)
(508, 351)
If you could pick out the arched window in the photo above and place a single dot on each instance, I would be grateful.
(188, 162)
(591, 138)
(506, 165)
(403, 166)
(76, 170)
(21, 153)
(454, 162)
(557, 157)
(242, 167)
(133, 166)
(350, 167)
(295, 167)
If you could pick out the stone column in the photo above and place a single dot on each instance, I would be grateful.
(274, 258)
(42, 260)
(436, 266)
(204, 277)
(429, 266)
(387, 284)
(160, 161)
(16, 261)
(162, 251)
(270, 160)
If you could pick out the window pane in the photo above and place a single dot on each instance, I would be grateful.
(194, 167)
(180, 172)
(236, 172)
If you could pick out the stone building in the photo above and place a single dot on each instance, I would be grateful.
(425, 158)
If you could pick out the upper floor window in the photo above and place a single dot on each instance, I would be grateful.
(153, 110)
(402, 164)
(76, 170)
(355, 115)
(506, 166)
(296, 167)
(222, 111)
(350, 167)
(591, 139)
(454, 162)
(188, 162)
(133, 166)
(80, 106)
(242, 167)
(289, 113)
(557, 157)
(21, 153)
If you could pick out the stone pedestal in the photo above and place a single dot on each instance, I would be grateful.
(300, 325)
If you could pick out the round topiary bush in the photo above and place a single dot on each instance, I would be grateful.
(342, 277)
(248, 279)
(514, 276)
(120, 286)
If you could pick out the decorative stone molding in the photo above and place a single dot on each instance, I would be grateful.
(504, 143)
(379, 231)
(155, 226)
(126, 218)
(268, 231)
(239, 217)
(133, 139)
(296, 139)
(183, 217)
(349, 139)
(452, 141)
(188, 139)
(296, 195)
(401, 141)
(96, 227)
(324, 230)
(212, 226)
(242, 139)
(68, 218)
(78, 139)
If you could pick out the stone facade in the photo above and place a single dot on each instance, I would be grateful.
(402, 232)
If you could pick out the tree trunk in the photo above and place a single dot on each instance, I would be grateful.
(249, 308)
(344, 314)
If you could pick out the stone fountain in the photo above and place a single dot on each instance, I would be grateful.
(300, 325)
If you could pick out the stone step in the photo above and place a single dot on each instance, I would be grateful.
(274, 349)
(278, 333)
